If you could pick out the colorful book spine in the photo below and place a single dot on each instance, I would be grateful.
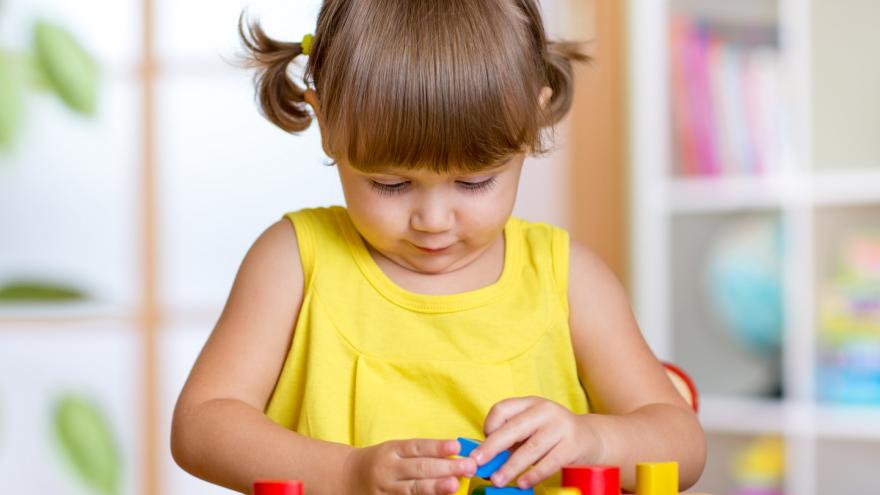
(726, 108)
(685, 149)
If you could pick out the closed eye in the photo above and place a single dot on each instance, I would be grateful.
(399, 187)
(478, 186)
(395, 188)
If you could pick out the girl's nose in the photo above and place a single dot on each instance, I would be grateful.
(432, 216)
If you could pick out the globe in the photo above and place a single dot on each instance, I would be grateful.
(744, 282)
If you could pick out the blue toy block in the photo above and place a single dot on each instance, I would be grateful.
(485, 471)
(506, 490)
(467, 446)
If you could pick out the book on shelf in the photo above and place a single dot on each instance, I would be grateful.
(727, 107)
(848, 364)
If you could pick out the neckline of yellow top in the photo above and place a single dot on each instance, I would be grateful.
(433, 303)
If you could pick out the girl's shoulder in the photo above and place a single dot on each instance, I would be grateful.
(321, 224)
(322, 217)
(536, 227)
(541, 237)
(324, 236)
(581, 262)
(546, 247)
(269, 283)
(594, 291)
(587, 271)
(272, 251)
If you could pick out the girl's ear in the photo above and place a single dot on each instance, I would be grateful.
(544, 97)
(312, 99)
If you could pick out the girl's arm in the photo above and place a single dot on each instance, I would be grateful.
(219, 432)
(641, 417)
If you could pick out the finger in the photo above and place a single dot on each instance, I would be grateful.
(419, 468)
(515, 429)
(537, 446)
(552, 462)
(443, 486)
(503, 411)
(425, 447)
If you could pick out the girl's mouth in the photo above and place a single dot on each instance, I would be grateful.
(431, 250)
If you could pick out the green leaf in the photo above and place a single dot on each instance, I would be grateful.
(35, 76)
(39, 291)
(11, 98)
(86, 439)
(71, 72)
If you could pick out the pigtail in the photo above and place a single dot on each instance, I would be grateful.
(281, 100)
(560, 76)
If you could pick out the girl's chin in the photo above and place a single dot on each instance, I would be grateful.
(428, 268)
(431, 264)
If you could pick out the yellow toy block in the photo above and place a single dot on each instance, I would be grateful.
(563, 491)
(657, 478)
(464, 484)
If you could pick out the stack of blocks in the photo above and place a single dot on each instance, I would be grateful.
(652, 478)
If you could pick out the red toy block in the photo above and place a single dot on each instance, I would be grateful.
(278, 488)
(592, 480)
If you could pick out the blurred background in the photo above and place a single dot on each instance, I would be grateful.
(722, 157)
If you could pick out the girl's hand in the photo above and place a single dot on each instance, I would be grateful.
(540, 433)
(406, 467)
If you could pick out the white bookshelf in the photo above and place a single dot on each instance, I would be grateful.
(737, 415)
(810, 198)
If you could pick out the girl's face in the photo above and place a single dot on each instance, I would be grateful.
(428, 222)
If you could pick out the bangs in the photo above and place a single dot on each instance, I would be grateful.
(436, 85)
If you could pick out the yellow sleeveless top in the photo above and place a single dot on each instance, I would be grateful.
(371, 362)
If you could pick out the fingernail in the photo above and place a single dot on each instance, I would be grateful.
(497, 479)
(452, 485)
(478, 456)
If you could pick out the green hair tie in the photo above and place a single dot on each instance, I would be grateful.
(307, 44)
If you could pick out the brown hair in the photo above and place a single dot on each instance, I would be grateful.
(446, 85)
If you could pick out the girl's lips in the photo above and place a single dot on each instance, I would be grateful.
(430, 250)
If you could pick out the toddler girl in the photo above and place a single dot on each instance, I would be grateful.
(357, 343)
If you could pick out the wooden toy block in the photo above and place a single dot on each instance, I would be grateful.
(565, 490)
(464, 485)
(505, 490)
(592, 480)
(485, 471)
(267, 487)
(657, 478)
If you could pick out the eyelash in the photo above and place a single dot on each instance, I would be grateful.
(400, 187)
